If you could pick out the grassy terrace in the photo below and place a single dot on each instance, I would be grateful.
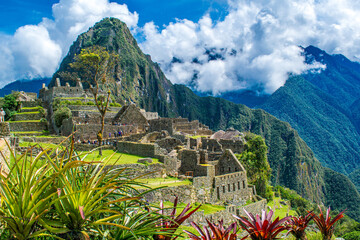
(21, 113)
(28, 132)
(116, 158)
(281, 210)
(24, 121)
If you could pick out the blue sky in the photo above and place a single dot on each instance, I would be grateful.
(258, 40)
(17, 13)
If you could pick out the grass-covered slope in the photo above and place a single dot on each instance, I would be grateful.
(320, 121)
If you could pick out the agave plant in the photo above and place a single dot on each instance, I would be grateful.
(85, 196)
(325, 224)
(171, 223)
(297, 226)
(217, 231)
(26, 192)
(262, 228)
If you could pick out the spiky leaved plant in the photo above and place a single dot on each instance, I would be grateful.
(217, 231)
(171, 222)
(26, 193)
(262, 228)
(85, 196)
(297, 226)
(325, 224)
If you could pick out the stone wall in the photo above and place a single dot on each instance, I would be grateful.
(140, 149)
(211, 145)
(28, 126)
(4, 129)
(228, 163)
(27, 116)
(89, 131)
(91, 108)
(232, 187)
(168, 143)
(227, 215)
(190, 161)
(157, 125)
(237, 146)
(137, 170)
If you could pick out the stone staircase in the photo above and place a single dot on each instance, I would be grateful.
(29, 121)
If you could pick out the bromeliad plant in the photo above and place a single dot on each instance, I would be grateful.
(171, 223)
(85, 196)
(217, 231)
(262, 228)
(297, 226)
(325, 224)
(26, 193)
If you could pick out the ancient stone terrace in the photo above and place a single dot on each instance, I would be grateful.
(47, 95)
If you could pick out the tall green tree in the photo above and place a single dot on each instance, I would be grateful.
(95, 67)
(10, 105)
(255, 161)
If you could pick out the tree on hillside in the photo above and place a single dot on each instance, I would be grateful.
(95, 67)
(10, 105)
(255, 161)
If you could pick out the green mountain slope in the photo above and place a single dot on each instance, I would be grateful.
(320, 121)
(137, 79)
(141, 81)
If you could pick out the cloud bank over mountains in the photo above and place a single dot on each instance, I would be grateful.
(255, 46)
(37, 50)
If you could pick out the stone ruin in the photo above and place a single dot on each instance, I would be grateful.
(188, 149)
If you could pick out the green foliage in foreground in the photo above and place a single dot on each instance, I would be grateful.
(69, 198)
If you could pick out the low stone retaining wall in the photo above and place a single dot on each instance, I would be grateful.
(28, 116)
(4, 129)
(227, 214)
(137, 170)
(141, 149)
(27, 126)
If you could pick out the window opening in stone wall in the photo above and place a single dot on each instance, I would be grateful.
(238, 185)
(234, 187)
(223, 189)
(229, 169)
(243, 184)
(218, 192)
(228, 187)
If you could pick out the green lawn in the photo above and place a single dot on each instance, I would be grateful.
(116, 158)
(24, 121)
(21, 113)
(281, 210)
(206, 207)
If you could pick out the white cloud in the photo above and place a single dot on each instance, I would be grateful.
(36, 50)
(256, 45)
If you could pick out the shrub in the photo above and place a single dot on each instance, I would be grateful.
(352, 235)
(61, 114)
(90, 103)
